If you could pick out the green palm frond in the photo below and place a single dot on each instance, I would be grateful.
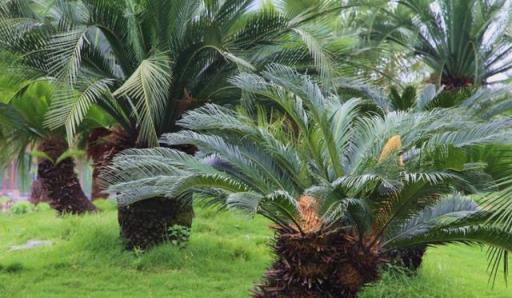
(21, 122)
(146, 89)
(66, 53)
(70, 107)
(446, 211)
(133, 47)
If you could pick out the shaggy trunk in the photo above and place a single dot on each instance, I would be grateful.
(38, 193)
(98, 149)
(59, 180)
(146, 223)
(407, 258)
(455, 91)
(143, 224)
(318, 264)
(313, 262)
(454, 83)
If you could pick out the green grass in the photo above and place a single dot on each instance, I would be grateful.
(227, 254)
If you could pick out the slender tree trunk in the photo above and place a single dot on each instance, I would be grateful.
(319, 264)
(59, 180)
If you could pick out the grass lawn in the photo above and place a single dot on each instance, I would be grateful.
(227, 254)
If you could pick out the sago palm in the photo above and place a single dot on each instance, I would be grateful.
(22, 129)
(342, 189)
(485, 103)
(465, 42)
(144, 63)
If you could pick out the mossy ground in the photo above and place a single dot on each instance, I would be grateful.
(226, 255)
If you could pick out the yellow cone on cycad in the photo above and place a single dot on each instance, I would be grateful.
(392, 145)
(308, 207)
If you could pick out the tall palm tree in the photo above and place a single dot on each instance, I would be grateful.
(343, 189)
(465, 42)
(22, 129)
(145, 63)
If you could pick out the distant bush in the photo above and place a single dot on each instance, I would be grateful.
(42, 207)
(21, 207)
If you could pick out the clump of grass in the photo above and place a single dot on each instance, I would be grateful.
(12, 268)
(105, 205)
(42, 207)
(21, 207)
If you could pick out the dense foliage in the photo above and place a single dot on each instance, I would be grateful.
(334, 182)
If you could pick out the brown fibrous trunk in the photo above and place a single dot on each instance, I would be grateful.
(146, 223)
(59, 180)
(453, 83)
(102, 146)
(313, 261)
(97, 150)
(143, 224)
(320, 264)
(407, 258)
(38, 194)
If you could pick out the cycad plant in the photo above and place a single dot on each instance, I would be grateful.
(464, 42)
(22, 130)
(485, 103)
(342, 189)
(145, 63)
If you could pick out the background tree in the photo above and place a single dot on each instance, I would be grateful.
(22, 130)
(343, 189)
(466, 44)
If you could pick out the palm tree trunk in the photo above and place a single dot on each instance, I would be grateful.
(407, 258)
(98, 150)
(145, 223)
(59, 180)
(454, 83)
(324, 263)
(38, 193)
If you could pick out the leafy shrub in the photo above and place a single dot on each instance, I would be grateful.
(178, 235)
(42, 207)
(21, 207)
